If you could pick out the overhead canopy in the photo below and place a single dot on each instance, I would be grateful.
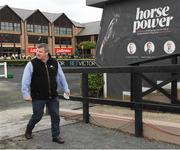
(99, 3)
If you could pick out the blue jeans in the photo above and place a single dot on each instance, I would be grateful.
(38, 111)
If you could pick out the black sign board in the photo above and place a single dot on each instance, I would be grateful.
(136, 30)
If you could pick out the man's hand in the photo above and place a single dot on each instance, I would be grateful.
(28, 98)
(67, 94)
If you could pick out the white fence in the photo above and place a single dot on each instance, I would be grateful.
(4, 70)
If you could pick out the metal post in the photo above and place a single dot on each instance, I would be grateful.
(132, 87)
(1, 43)
(84, 89)
(137, 97)
(173, 83)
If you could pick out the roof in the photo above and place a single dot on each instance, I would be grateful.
(77, 24)
(2, 7)
(52, 16)
(91, 28)
(99, 3)
(25, 13)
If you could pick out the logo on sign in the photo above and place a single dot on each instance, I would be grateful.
(155, 18)
(32, 49)
(64, 50)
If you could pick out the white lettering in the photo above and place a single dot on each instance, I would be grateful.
(156, 17)
(168, 20)
(158, 12)
(161, 21)
(139, 14)
(147, 14)
(165, 10)
(136, 26)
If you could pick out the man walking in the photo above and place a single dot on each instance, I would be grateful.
(42, 77)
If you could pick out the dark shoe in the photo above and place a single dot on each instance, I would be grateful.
(28, 134)
(58, 140)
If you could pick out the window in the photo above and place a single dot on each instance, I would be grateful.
(44, 29)
(8, 26)
(62, 31)
(9, 38)
(37, 28)
(30, 28)
(69, 31)
(56, 30)
(63, 41)
(17, 27)
(57, 40)
(37, 39)
(68, 41)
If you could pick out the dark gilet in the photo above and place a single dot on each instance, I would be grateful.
(43, 82)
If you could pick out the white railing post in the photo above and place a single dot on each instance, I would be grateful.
(105, 85)
(5, 69)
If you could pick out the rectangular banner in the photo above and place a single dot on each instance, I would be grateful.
(32, 49)
(137, 30)
(64, 50)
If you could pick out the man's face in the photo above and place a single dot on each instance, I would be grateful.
(41, 54)
(149, 46)
(130, 47)
(169, 45)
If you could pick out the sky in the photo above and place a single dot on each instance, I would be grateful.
(74, 9)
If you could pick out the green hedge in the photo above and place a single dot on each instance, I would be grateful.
(96, 82)
(21, 62)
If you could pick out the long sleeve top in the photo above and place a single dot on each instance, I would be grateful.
(27, 76)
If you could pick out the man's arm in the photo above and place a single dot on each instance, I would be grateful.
(61, 80)
(26, 81)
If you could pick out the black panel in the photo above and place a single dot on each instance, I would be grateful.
(141, 23)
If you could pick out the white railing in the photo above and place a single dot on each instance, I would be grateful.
(5, 70)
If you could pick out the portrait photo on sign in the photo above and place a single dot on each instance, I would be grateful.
(169, 47)
(131, 48)
(149, 47)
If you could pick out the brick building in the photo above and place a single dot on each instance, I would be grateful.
(21, 30)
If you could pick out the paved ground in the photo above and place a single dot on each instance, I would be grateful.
(14, 114)
(13, 121)
(10, 95)
(85, 136)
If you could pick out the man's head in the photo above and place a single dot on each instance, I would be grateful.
(169, 45)
(131, 48)
(42, 51)
(149, 45)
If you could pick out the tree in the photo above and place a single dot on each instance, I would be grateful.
(87, 45)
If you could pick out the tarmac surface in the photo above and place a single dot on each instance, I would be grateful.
(15, 113)
(84, 136)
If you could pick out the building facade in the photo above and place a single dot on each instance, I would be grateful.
(21, 30)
